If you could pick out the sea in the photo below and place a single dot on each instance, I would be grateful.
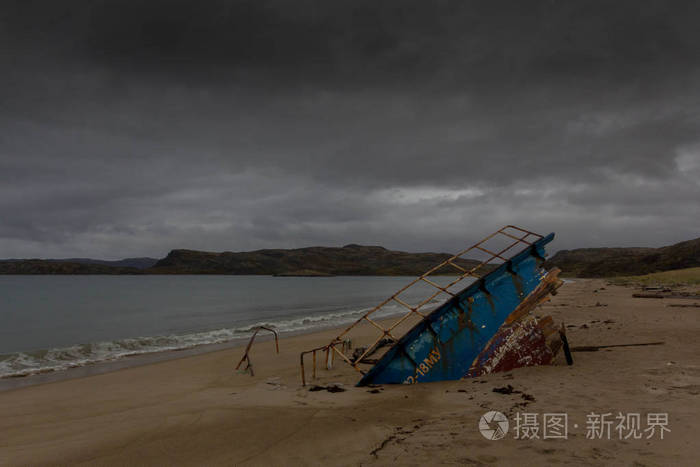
(50, 323)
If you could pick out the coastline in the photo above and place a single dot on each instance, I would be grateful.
(158, 314)
(196, 409)
(8, 383)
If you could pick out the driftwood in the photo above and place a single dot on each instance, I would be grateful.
(678, 305)
(673, 295)
(595, 348)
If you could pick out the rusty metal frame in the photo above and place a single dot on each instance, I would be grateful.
(517, 235)
(246, 356)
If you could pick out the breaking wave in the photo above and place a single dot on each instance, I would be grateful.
(48, 360)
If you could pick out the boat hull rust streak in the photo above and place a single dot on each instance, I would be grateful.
(483, 328)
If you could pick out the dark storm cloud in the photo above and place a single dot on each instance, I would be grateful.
(132, 127)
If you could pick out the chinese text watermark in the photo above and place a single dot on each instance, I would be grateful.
(494, 425)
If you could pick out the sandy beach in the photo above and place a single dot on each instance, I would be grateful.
(198, 410)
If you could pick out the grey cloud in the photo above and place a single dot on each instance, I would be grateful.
(129, 128)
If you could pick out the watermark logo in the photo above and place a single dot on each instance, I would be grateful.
(493, 425)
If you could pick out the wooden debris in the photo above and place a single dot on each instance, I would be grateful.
(595, 348)
(674, 295)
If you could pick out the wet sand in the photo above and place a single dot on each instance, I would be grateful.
(197, 410)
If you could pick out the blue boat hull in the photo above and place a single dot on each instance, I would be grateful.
(449, 340)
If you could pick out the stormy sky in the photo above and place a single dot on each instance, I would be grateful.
(129, 128)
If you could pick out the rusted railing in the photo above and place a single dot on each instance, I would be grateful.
(514, 235)
(345, 345)
(246, 356)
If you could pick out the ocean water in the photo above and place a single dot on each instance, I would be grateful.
(50, 323)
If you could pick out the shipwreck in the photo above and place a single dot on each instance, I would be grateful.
(485, 323)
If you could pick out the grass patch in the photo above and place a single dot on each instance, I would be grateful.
(677, 277)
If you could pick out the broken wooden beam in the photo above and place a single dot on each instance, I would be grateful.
(595, 348)
(674, 295)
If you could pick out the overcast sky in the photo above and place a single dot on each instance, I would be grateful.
(129, 128)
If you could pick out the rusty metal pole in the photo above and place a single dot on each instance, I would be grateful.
(246, 356)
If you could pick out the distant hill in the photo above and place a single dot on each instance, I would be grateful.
(351, 260)
(138, 263)
(606, 262)
(313, 261)
(359, 260)
(42, 266)
(75, 266)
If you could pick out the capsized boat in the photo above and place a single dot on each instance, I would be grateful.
(485, 327)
